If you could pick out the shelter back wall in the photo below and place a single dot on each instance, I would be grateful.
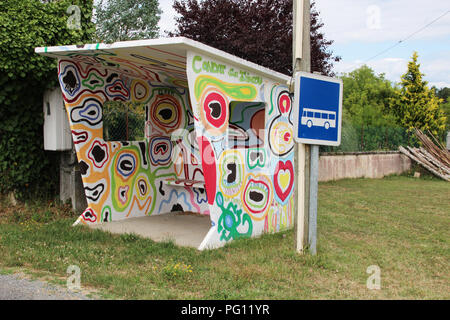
(125, 178)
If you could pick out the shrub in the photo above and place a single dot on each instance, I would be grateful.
(25, 168)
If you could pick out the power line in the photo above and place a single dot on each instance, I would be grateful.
(403, 40)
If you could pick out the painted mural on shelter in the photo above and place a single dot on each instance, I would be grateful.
(218, 140)
(132, 178)
(245, 136)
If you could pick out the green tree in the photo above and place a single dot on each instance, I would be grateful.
(415, 105)
(120, 20)
(444, 94)
(366, 98)
(123, 121)
(445, 106)
(367, 121)
(24, 75)
(256, 30)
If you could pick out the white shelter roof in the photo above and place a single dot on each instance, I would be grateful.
(164, 54)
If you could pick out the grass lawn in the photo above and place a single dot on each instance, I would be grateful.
(399, 223)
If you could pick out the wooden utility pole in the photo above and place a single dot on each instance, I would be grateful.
(302, 62)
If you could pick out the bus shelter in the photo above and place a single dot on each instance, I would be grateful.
(172, 125)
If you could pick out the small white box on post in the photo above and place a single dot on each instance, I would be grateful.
(57, 134)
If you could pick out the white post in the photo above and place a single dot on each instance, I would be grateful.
(298, 31)
(301, 199)
(301, 62)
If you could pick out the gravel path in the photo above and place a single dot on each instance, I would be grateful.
(16, 287)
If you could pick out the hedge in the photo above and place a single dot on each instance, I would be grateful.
(25, 168)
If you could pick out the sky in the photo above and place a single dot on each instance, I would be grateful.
(362, 29)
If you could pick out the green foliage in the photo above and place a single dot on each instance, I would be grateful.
(359, 138)
(123, 121)
(119, 20)
(415, 105)
(445, 107)
(368, 124)
(444, 94)
(176, 271)
(366, 98)
(24, 75)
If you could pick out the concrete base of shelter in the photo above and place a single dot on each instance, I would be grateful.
(185, 229)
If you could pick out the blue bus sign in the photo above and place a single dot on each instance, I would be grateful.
(317, 109)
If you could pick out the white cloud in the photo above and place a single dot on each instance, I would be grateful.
(393, 68)
(439, 85)
(437, 71)
(349, 20)
(167, 21)
(380, 24)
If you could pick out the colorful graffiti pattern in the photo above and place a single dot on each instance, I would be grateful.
(223, 147)
(130, 178)
(245, 122)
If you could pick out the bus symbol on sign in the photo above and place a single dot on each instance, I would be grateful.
(320, 118)
(317, 109)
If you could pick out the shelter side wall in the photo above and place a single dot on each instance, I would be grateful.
(246, 151)
(123, 179)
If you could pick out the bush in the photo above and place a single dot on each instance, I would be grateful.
(355, 138)
(25, 168)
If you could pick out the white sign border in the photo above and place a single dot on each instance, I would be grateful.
(298, 76)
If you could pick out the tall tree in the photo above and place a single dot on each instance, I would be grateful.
(366, 98)
(257, 30)
(119, 20)
(444, 94)
(368, 123)
(415, 105)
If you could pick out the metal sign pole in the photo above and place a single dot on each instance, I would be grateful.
(313, 193)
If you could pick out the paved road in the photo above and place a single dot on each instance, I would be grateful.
(16, 287)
